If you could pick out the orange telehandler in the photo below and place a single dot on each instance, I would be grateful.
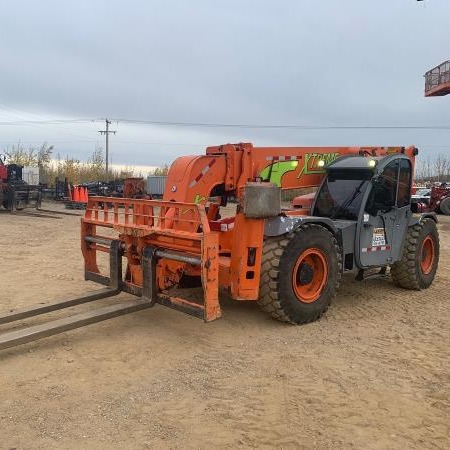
(288, 260)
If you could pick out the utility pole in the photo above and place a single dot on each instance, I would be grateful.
(106, 132)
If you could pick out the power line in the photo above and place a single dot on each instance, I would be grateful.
(231, 125)
(176, 144)
(276, 126)
(46, 122)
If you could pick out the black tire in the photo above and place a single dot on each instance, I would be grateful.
(444, 206)
(410, 273)
(281, 256)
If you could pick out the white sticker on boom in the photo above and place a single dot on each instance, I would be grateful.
(378, 238)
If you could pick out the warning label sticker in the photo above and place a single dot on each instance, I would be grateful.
(378, 238)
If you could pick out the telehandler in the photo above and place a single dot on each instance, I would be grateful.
(290, 261)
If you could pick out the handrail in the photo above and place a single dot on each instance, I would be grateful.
(146, 215)
(437, 76)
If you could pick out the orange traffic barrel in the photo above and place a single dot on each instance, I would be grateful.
(76, 194)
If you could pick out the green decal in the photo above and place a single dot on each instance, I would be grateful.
(275, 171)
(199, 199)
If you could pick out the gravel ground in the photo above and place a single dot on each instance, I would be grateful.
(373, 373)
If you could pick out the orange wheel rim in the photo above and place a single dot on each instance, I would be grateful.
(427, 255)
(309, 275)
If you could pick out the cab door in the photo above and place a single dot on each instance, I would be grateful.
(403, 208)
(386, 215)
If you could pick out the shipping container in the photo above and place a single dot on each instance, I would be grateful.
(30, 174)
(156, 185)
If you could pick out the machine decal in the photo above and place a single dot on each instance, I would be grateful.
(199, 199)
(275, 171)
(374, 249)
(311, 167)
(378, 237)
(283, 164)
(200, 175)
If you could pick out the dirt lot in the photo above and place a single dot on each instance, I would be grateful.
(374, 373)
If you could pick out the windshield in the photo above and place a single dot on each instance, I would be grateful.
(340, 199)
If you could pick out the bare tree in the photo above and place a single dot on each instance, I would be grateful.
(435, 168)
(440, 166)
(164, 170)
(31, 156)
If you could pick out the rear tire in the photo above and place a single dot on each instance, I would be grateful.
(444, 206)
(300, 274)
(419, 263)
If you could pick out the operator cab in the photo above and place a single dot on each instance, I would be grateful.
(379, 184)
(368, 198)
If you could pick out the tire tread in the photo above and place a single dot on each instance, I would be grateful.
(269, 299)
(405, 272)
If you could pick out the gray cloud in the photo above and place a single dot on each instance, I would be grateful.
(306, 62)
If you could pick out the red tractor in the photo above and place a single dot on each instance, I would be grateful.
(437, 201)
(15, 193)
(3, 178)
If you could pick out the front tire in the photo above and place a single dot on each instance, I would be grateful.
(300, 274)
(445, 206)
(419, 263)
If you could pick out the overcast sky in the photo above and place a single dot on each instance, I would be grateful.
(301, 62)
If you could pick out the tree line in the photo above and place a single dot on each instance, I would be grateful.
(68, 168)
(75, 171)
(433, 169)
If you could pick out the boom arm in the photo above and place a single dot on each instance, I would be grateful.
(229, 167)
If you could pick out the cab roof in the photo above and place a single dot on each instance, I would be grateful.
(354, 163)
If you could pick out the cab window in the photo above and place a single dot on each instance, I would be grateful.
(404, 183)
(383, 196)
